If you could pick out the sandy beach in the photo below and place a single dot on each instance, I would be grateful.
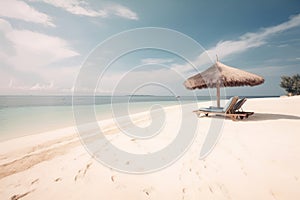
(255, 158)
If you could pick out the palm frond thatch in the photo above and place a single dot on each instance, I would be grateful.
(224, 76)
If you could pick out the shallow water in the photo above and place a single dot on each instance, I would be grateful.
(25, 115)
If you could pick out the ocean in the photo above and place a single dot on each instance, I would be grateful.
(26, 115)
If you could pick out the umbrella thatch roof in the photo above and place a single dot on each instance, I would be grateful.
(224, 76)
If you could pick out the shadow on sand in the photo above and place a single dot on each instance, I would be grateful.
(260, 117)
(270, 116)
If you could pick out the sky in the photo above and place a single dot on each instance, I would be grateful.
(45, 43)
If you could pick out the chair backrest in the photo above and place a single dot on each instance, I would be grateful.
(229, 105)
(239, 104)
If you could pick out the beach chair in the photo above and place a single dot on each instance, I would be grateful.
(218, 111)
(231, 109)
(238, 111)
(236, 107)
(239, 104)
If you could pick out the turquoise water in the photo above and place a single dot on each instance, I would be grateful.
(25, 115)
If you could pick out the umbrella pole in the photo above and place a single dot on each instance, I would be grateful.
(218, 95)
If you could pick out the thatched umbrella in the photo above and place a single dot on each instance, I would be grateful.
(220, 75)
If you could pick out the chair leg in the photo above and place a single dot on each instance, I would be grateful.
(233, 117)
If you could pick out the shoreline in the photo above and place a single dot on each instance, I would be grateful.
(70, 120)
(63, 128)
(57, 135)
(260, 153)
(60, 117)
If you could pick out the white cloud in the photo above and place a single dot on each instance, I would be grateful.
(243, 43)
(156, 61)
(121, 11)
(29, 50)
(20, 10)
(75, 7)
(252, 40)
(39, 86)
(168, 76)
(26, 57)
(81, 7)
(35, 87)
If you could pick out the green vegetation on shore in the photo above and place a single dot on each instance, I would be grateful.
(291, 84)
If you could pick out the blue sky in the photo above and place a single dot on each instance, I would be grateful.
(45, 42)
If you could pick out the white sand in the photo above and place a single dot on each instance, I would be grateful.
(256, 158)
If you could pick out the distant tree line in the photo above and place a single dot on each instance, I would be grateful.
(291, 84)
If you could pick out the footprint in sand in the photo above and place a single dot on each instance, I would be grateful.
(19, 196)
(183, 193)
(148, 191)
(210, 189)
(224, 191)
(35, 181)
(58, 179)
(118, 186)
(82, 172)
(112, 178)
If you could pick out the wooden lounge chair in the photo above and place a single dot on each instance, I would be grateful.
(231, 109)
(218, 111)
(238, 111)
(239, 104)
